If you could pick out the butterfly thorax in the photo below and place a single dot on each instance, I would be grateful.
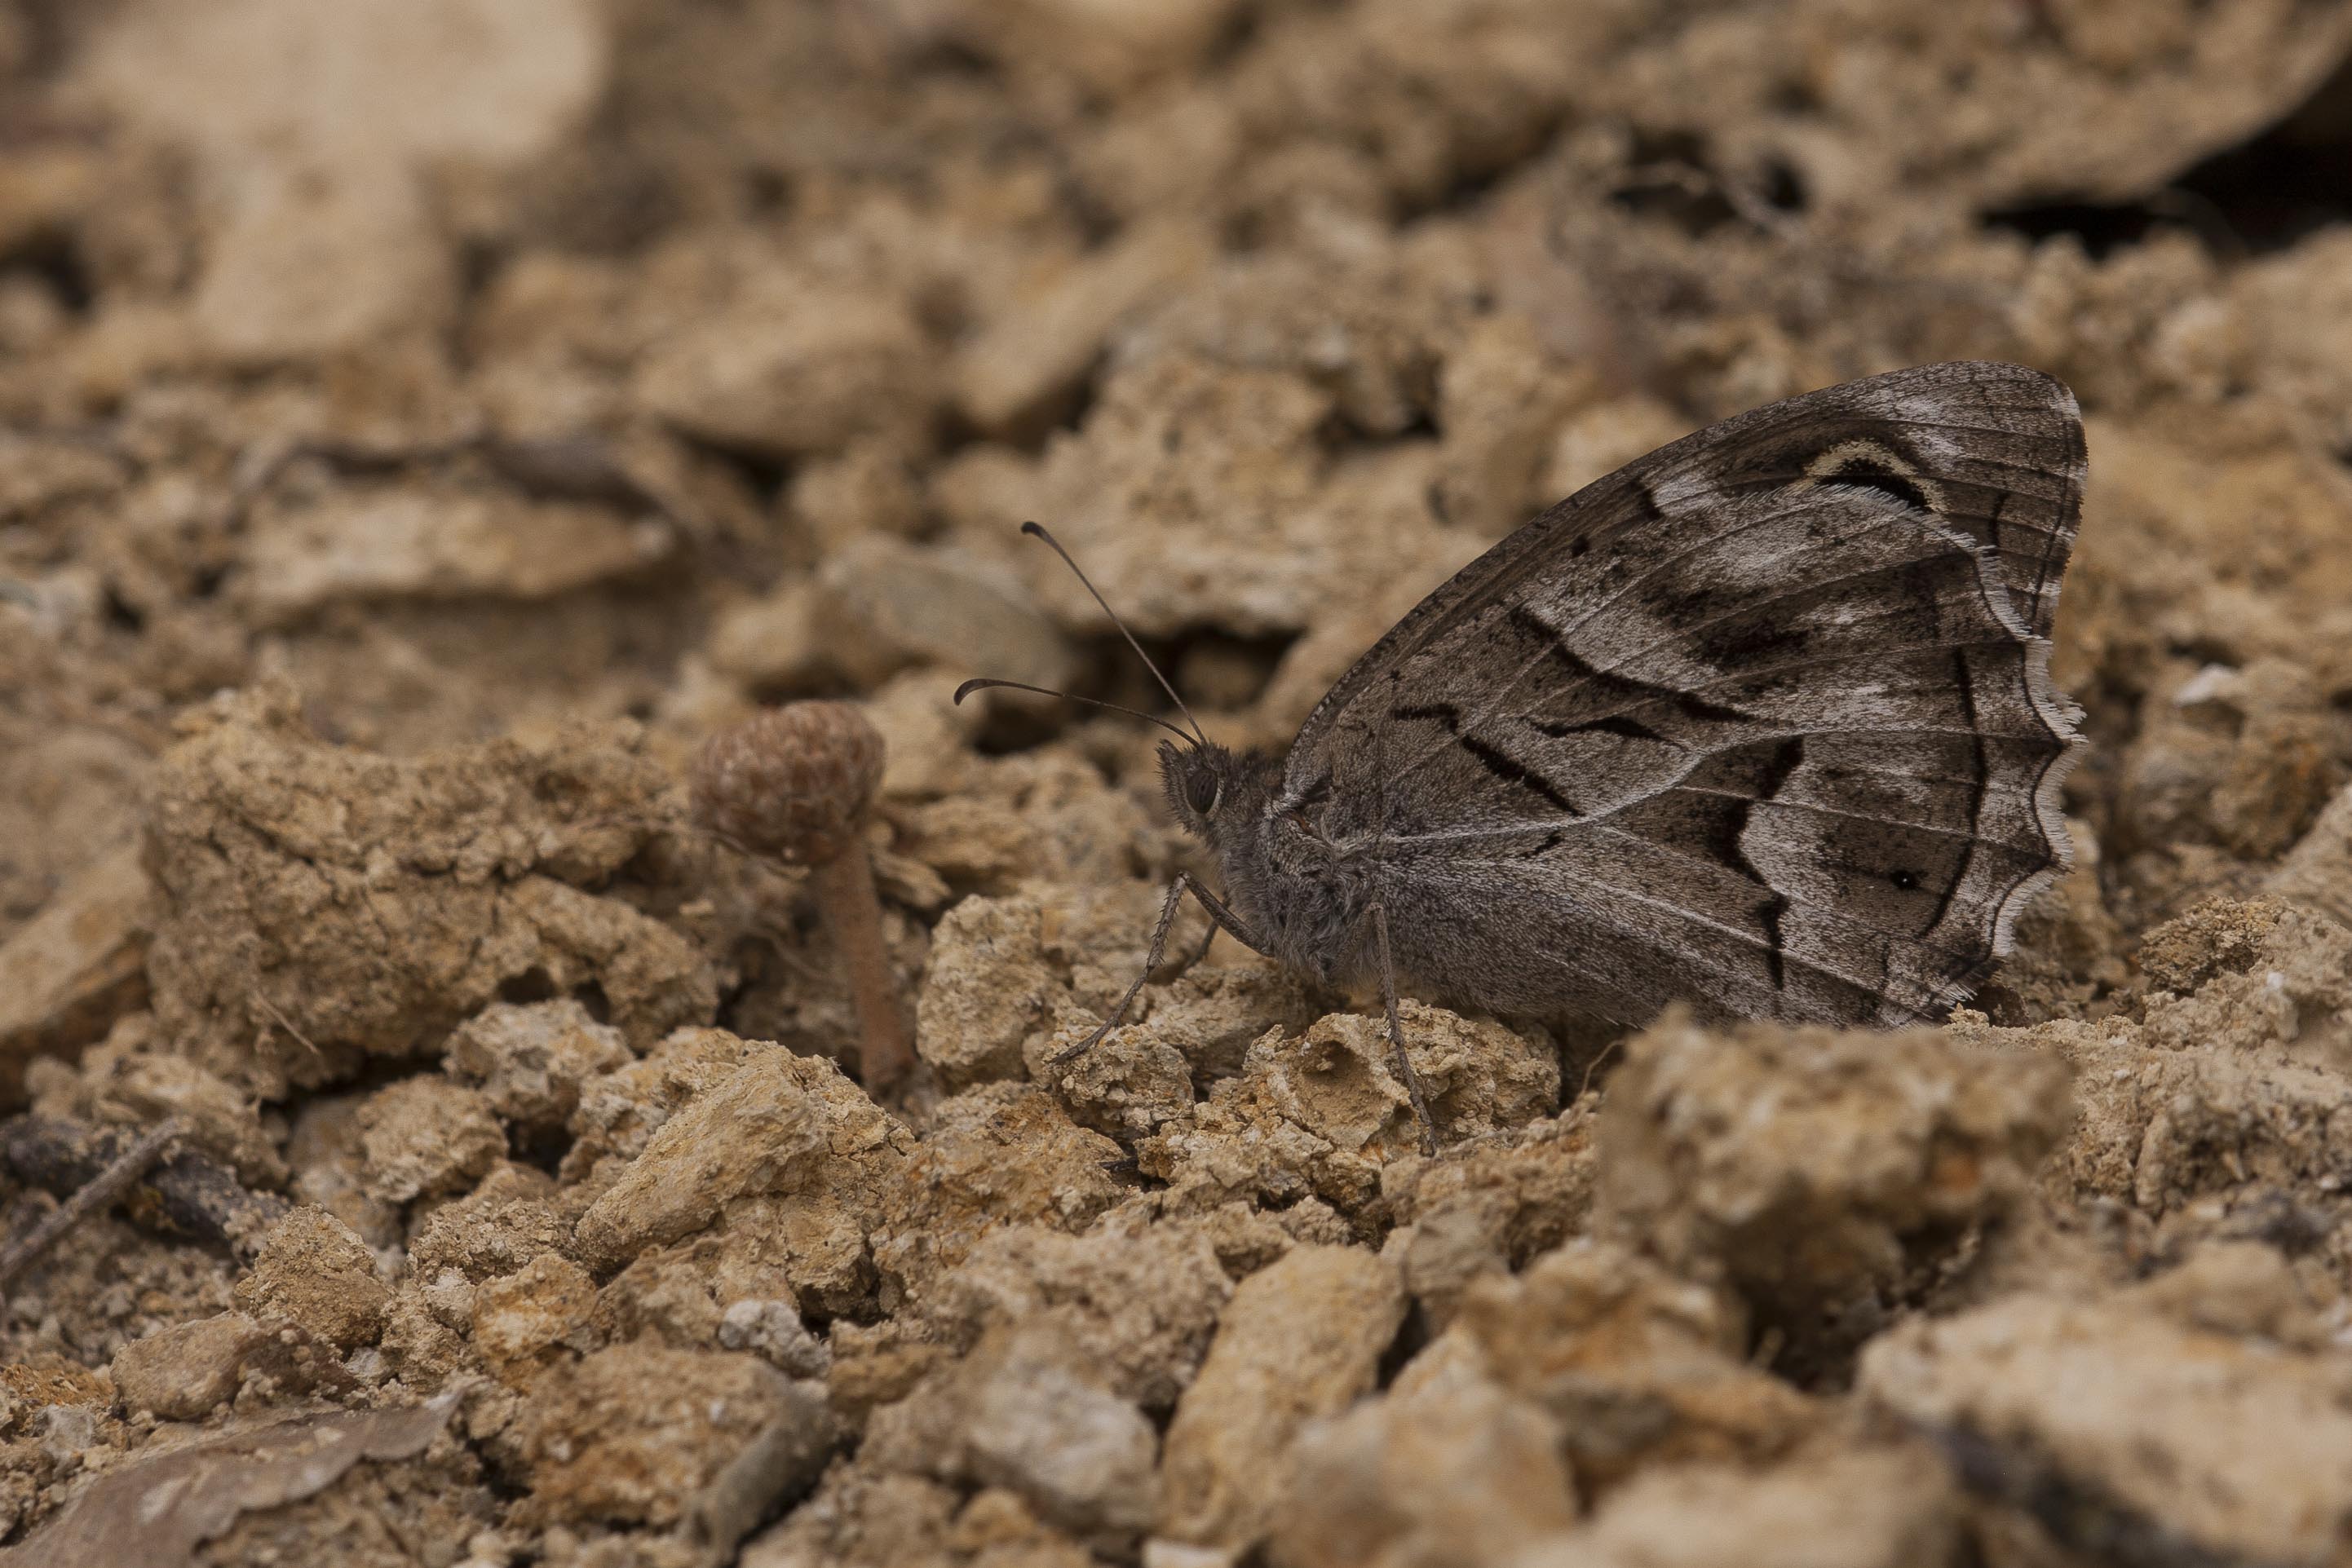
(1301, 897)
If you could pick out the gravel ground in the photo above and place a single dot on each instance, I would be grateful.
(424, 422)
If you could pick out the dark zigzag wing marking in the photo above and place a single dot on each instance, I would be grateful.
(1766, 531)
(1782, 760)
(1801, 664)
(1944, 878)
(1575, 669)
(2044, 418)
(1726, 642)
(1492, 758)
(2008, 477)
(1919, 970)
(1854, 946)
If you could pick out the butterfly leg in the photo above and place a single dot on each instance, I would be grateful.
(1200, 949)
(1396, 1034)
(1218, 916)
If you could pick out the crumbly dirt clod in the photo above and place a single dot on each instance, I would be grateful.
(1819, 1173)
(2117, 1423)
(393, 506)
(1302, 1338)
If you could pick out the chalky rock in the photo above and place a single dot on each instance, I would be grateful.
(1327, 1115)
(530, 1060)
(314, 1271)
(71, 971)
(634, 1431)
(2130, 1428)
(1301, 1339)
(1887, 1509)
(1638, 1365)
(426, 1137)
(331, 903)
(1808, 1166)
(1447, 1468)
(1138, 1300)
(181, 1373)
(782, 1125)
(794, 367)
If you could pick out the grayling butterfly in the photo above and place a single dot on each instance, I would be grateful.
(1762, 721)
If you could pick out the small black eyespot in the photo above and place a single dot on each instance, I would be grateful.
(1201, 792)
(1904, 880)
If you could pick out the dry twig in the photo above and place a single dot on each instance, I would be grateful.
(95, 1194)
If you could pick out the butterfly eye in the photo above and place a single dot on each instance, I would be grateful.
(1201, 792)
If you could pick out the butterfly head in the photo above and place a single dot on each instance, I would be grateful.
(1210, 787)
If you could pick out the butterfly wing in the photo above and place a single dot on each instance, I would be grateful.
(1763, 720)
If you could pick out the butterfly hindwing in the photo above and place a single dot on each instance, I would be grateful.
(1762, 720)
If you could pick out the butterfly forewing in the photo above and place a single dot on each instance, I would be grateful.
(1762, 721)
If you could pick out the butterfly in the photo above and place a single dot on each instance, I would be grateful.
(1762, 722)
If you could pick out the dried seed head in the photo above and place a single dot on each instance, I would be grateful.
(792, 781)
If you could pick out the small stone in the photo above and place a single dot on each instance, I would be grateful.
(1110, 53)
(780, 1123)
(635, 1432)
(1500, 401)
(781, 639)
(71, 970)
(868, 489)
(520, 1320)
(796, 368)
(988, 988)
(144, 1087)
(620, 1110)
(423, 1135)
(329, 1168)
(1137, 1301)
(772, 1331)
(1079, 1452)
(1301, 1339)
(1638, 1365)
(2140, 1427)
(413, 542)
(1002, 1154)
(1127, 1085)
(1447, 1468)
(889, 604)
(1490, 1210)
(1327, 1114)
(1812, 1164)
(2318, 871)
(181, 1372)
(312, 1270)
(529, 1062)
(317, 259)
(927, 736)
(1886, 1509)
(501, 1225)
(322, 234)
(1030, 359)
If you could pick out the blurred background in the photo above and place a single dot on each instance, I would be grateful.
(471, 362)
(504, 395)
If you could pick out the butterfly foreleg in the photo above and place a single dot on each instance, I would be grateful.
(1396, 1032)
(1218, 916)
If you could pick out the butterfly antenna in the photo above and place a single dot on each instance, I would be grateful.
(1056, 546)
(983, 683)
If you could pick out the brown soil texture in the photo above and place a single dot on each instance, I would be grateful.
(424, 422)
